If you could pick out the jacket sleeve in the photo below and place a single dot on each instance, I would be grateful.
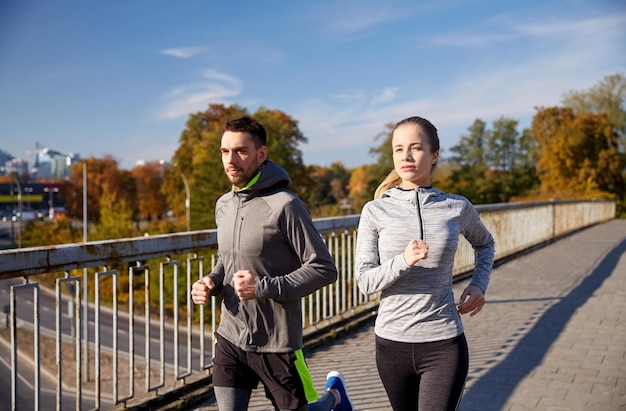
(483, 244)
(317, 266)
(217, 276)
(372, 275)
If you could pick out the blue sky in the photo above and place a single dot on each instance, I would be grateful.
(122, 77)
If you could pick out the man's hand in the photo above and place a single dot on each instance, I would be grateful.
(201, 289)
(245, 284)
(472, 300)
(416, 250)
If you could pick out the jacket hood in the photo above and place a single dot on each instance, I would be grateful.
(272, 176)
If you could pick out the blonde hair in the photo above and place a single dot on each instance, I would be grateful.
(392, 180)
(425, 126)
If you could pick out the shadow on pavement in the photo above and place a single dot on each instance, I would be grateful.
(532, 348)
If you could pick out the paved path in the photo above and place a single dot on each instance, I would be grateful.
(552, 336)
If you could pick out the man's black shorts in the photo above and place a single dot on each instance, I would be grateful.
(284, 375)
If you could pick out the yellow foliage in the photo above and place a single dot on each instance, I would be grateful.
(578, 156)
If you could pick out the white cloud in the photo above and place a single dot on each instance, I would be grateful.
(215, 75)
(190, 98)
(387, 95)
(348, 96)
(611, 24)
(510, 28)
(352, 17)
(184, 52)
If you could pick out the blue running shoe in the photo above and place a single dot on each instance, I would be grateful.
(335, 380)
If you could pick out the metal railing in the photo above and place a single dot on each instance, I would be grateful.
(132, 352)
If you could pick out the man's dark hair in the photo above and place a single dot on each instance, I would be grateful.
(248, 125)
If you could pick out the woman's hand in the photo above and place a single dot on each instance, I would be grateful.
(472, 300)
(416, 250)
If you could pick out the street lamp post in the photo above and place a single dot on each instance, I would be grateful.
(19, 213)
(84, 202)
(29, 193)
(187, 201)
(51, 190)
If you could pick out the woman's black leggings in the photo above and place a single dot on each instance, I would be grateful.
(423, 376)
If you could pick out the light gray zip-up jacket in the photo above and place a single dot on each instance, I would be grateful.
(417, 303)
(268, 230)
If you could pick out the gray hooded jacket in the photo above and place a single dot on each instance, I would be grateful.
(417, 303)
(268, 230)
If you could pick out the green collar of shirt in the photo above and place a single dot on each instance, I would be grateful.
(253, 179)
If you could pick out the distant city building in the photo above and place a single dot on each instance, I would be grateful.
(4, 157)
(48, 164)
(16, 165)
(60, 165)
(59, 168)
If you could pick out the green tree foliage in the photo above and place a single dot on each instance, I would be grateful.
(510, 160)
(127, 191)
(384, 158)
(468, 167)
(116, 221)
(59, 231)
(116, 217)
(524, 180)
(470, 151)
(492, 165)
(328, 189)
(578, 154)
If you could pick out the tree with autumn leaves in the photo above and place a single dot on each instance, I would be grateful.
(579, 155)
(101, 173)
(582, 145)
